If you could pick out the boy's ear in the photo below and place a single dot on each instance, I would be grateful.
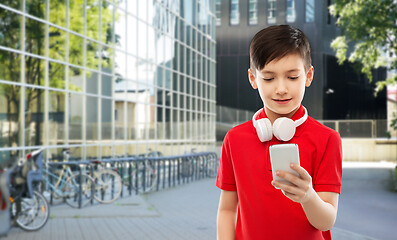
(309, 76)
(251, 78)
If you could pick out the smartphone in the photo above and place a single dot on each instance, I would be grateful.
(281, 156)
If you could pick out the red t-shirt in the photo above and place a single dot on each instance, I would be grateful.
(263, 211)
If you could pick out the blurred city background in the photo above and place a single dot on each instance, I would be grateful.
(116, 78)
(108, 79)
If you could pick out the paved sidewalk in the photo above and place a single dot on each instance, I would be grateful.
(183, 212)
(368, 202)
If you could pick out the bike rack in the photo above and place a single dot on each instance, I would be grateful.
(170, 170)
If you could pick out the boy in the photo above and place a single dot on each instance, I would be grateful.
(251, 206)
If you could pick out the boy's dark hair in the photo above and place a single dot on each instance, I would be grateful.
(275, 42)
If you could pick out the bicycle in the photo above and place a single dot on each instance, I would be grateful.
(187, 165)
(212, 166)
(29, 208)
(144, 176)
(140, 174)
(207, 167)
(107, 182)
(74, 188)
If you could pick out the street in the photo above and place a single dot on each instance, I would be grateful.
(368, 203)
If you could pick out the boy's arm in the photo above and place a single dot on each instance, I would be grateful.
(227, 215)
(320, 208)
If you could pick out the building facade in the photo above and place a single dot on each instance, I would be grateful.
(337, 92)
(107, 78)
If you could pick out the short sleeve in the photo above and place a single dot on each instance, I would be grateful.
(329, 172)
(225, 179)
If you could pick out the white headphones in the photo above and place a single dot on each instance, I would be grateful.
(283, 128)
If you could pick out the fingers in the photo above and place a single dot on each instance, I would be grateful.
(301, 171)
(297, 188)
(293, 192)
(287, 187)
(289, 190)
(297, 181)
(300, 181)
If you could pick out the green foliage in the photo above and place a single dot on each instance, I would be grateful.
(393, 123)
(340, 45)
(371, 26)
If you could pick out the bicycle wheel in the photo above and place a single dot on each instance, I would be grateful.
(33, 213)
(108, 186)
(72, 190)
(146, 177)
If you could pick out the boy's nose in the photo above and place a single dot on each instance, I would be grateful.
(281, 88)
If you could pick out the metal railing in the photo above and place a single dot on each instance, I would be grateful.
(350, 128)
(171, 171)
(366, 128)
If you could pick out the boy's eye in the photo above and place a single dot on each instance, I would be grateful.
(267, 79)
(293, 77)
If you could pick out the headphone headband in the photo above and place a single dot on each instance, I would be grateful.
(283, 128)
(301, 120)
(297, 122)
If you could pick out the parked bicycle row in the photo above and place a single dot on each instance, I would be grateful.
(79, 183)
(107, 179)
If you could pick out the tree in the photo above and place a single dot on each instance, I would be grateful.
(34, 42)
(371, 27)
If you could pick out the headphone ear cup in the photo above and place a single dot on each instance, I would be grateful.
(264, 129)
(275, 128)
(284, 129)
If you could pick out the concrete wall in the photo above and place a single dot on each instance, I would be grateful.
(355, 149)
(361, 150)
(391, 114)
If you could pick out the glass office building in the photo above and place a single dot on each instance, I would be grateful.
(337, 92)
(107, 77)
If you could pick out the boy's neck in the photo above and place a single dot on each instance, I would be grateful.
(272, 116)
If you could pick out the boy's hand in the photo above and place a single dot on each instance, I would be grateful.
(300, 190)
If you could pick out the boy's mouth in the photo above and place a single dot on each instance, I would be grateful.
(282, 101)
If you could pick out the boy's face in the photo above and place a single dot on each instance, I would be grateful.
(281, 85)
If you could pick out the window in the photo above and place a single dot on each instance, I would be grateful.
(253, 12)
(271, 9)
(234, 12)
(218, 12)
(329, 17)
(309, 11)
(106, 76)
(291, 14)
